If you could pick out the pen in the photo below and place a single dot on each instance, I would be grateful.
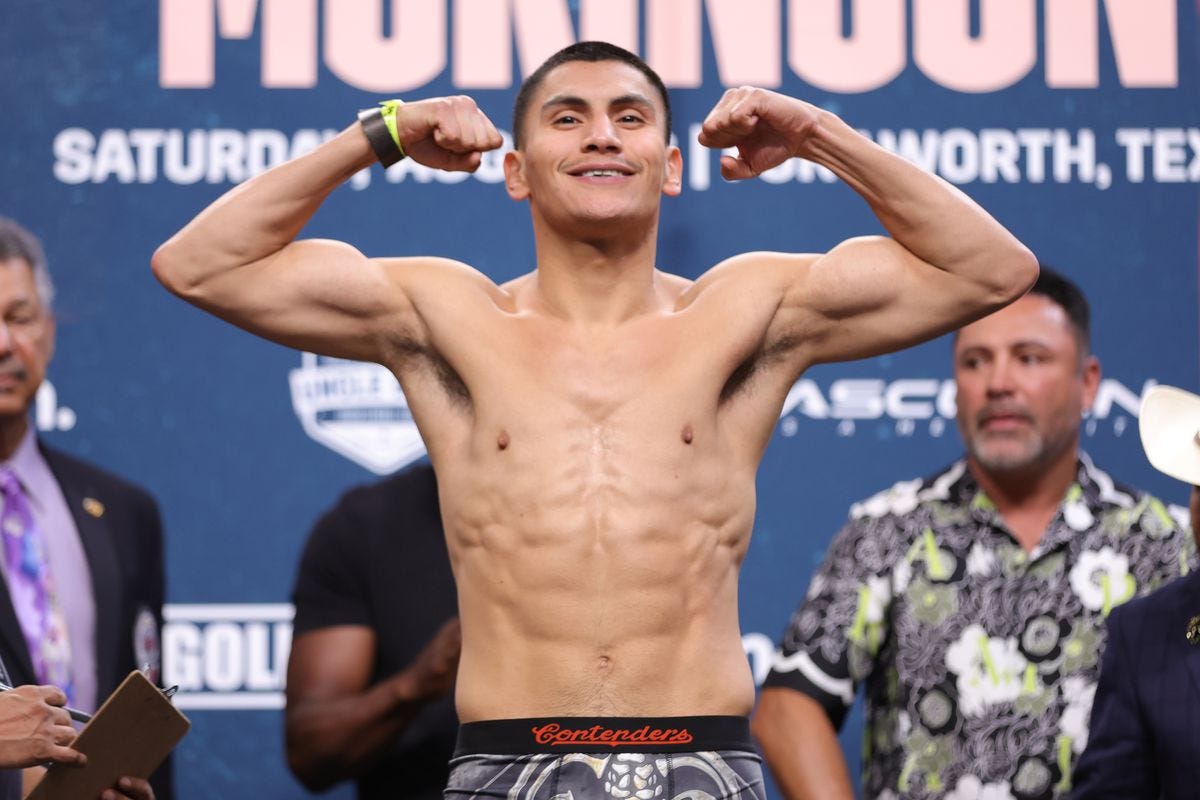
(75, 713)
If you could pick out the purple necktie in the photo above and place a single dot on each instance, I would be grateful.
(31, 588)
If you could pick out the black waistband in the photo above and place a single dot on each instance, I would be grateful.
(603, 735)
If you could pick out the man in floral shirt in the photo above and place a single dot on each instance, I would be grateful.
(971, 603)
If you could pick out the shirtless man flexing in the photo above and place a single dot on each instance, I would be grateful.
(596, 424)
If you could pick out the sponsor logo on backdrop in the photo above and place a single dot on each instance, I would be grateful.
(474, 41)
(910, 406)
(48, 414)
(357, 410)
(232, 657)
(835, 48)
(960, 155)
(227, 656)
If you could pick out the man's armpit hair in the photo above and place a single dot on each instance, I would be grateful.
(768, 354)
(410, 352)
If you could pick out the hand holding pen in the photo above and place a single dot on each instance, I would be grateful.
(73, 713)
(83, 716)
(35, 727)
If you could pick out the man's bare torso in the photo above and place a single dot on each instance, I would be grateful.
(597, 486)
(596, 427)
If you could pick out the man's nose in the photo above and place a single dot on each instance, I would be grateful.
(602, 135)
(1000, 376)
(6, 339)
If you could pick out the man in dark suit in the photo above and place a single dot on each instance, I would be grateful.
(82, 553)
(1144, 741)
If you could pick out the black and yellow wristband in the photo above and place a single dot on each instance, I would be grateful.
(379, 125)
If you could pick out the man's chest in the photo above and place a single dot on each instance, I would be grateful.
(660, 370)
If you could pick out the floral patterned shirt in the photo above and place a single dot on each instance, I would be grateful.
(979, 659)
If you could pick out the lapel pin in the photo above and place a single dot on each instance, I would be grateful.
(1193, 630)
(94, 507)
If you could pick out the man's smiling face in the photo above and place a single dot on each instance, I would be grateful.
(594, 146)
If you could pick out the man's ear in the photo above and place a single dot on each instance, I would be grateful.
(51, 335)
(514, 175)
(673, 180)
(1091, 380)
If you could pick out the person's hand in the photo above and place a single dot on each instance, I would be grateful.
(128, 788)
(446, 133)
(434, 668)
(766, 127)
(35, 728)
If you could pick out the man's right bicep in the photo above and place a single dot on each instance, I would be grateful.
(319, 295)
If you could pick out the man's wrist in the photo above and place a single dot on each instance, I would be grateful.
(379, 126)
(408, 689)
(831, 142)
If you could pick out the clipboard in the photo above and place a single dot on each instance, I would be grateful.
(131, 734)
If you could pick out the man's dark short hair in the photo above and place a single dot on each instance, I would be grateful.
(17, 242)
(1065, 294)
(583, 51)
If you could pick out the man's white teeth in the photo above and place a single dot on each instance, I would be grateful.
(601, 173)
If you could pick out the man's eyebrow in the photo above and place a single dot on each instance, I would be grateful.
(568, 100)
(1013, 345)
(632, 100)
(574, 101)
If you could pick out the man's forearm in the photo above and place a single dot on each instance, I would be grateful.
(801, 747)
(332, 739)
(925, 214)
(261, 216)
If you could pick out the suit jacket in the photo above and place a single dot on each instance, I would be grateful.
(1144, 739)
(121, 531)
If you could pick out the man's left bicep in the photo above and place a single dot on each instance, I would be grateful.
(870, 296)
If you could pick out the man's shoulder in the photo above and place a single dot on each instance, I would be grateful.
(385, 515)
(1143, 620)
(398, 493)
(377, 532)
(68, 468)
(905, 497)
(1112, 496)
(1156, 604)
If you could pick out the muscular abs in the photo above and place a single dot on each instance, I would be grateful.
(597, 510)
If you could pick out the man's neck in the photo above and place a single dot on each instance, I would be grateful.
(1028, 499)
(598, 281)
(12, 431)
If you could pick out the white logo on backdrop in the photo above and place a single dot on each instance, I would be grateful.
(912, 405)
(48, 415)
(357, 410)
(227, 656)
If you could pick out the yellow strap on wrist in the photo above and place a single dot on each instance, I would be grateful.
(387, 109)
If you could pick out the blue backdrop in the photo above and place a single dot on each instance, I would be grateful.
(1075, 122)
